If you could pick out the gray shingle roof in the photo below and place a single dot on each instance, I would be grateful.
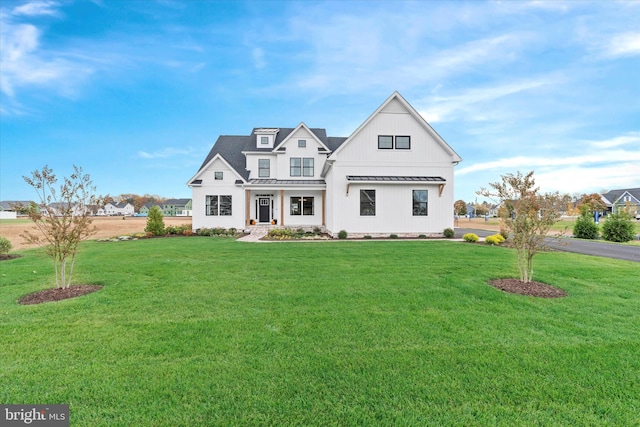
(230, 147)
(613, 195)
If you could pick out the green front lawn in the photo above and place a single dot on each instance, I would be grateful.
(204, 331)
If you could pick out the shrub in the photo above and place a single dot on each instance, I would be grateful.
(367, 237)
(585, 228)
(470, 237)
(188, 232)
(618, 228)
(342, 234)
(504, 232)
(422, 236)
(393, 236)
(495, 239)
(280, 233)
(449, 233)
(5, 245)
(216, 232)
(317, 230)
(155, 222)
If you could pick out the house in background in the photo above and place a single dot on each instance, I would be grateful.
(392, 175)
(177, 207)
(144, 209)
(10, 209)
(625, 198)
(116, 209)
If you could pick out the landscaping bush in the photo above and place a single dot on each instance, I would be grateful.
(5, 245)
(494, 239)
(342, 234)
(470, 237)
(585, 228)
(218, 231)
(618, 228)
(155, 222)
(393, 236)
(449, 233)
(280, 233)
(177, 229)
(367, 237)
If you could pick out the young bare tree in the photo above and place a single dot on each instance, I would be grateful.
(62, 218)
(528, 216)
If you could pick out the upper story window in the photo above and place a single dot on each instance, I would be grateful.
(307, 166)
(403, 142)
(385, 142)
(217, 176)
(295, 166)
(302, 143)
(301, 166)
(264, 140)
(389, 142)
(264, 168)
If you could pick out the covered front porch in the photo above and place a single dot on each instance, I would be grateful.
(285, 203)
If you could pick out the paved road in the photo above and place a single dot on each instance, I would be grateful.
(587, 247)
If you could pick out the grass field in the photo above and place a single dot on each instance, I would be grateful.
(202, 331)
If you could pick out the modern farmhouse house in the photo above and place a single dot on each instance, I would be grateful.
(392, 175)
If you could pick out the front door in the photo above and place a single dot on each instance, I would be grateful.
(264, 207)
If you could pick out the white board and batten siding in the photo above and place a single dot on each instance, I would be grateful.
(209, 187)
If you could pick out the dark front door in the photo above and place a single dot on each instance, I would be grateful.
(263, 213)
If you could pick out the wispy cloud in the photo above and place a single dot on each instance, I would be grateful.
(165, 153)
(623, 44)
(37, 8)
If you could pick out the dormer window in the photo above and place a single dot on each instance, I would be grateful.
(265, 138)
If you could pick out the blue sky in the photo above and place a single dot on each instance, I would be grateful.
(136, 92)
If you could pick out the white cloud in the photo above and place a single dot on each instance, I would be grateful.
(592, 158)
(37, 8)
(624, 44)
(445, 108)
(631, 138)
(165, 153)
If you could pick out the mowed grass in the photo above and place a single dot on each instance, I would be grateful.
(202, 331)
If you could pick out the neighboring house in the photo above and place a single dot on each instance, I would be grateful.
(113, 209)
(471, 210)
(10, 209)
(144, 209)
(59, 209)
(177, 207)
(493, 211)
(626, 198)
(393, 175)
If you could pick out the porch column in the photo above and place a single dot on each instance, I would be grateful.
(324, 199)
(247, 208)
(282, 208)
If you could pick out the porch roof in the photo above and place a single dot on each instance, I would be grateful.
(395, 178)
(287, 181)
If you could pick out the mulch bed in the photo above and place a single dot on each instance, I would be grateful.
(57, 294)
(4, 257)
(534, 289)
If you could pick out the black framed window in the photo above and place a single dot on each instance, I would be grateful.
(217, 176)
(367, 202)
(295, 166)
(301, 206)
(385, 142)
(218, 205)
(403, 142)
(225, 205)
(264, 168)
(420, 202)
(307, 206)
(211, 205)
(296, 206)
(307, 166)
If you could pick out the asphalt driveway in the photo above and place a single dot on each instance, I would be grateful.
(586, 247)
